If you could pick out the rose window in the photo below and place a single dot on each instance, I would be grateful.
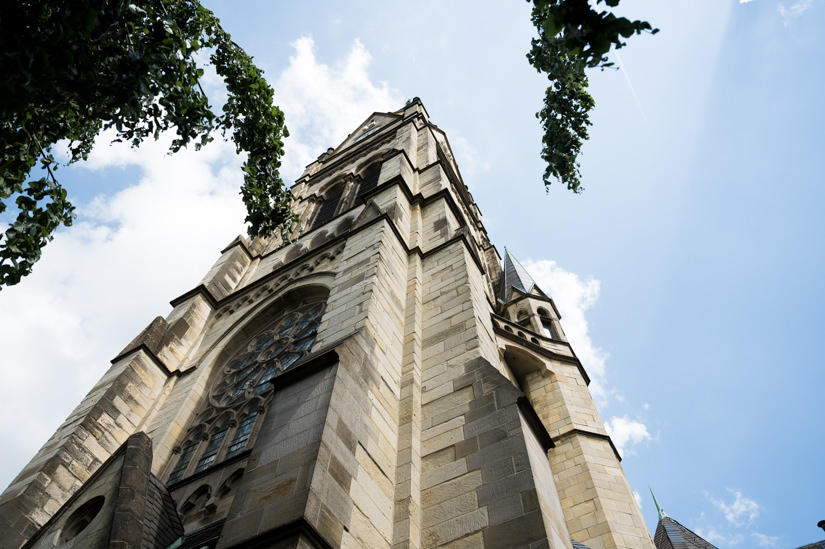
(267, 355)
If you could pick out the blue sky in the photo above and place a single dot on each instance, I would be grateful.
(688, 273)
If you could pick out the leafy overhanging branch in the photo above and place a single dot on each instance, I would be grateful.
(74, 69)
(572, 36)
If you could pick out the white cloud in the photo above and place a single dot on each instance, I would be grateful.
(745, 1)
(794, 11)
(740, 516)
(471, 161)
(740, 512)
(324, 103)
(573, 297)
(103, 280)
(765, 541)
(626, 433)
(638, 498)
(720, 539)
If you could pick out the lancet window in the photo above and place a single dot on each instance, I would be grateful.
(228, 419)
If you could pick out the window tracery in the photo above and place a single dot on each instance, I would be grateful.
(225, 425)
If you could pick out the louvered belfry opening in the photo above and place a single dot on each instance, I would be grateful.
(369, 180)
(328, 208)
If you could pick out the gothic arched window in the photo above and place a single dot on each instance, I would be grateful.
(369, 179)
(328, 207)
(227, 419)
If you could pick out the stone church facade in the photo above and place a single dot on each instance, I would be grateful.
(384, 380)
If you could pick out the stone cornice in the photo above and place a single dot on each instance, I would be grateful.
(536, 297)
(153, 358)
(239, 241)
(201, 290)
(538, 348)
(591, 434)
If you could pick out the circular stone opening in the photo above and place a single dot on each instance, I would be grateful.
(80, 519)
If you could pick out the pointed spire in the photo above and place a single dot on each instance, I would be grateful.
(661, 511)
(515, 276)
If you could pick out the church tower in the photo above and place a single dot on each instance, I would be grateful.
(383, 380)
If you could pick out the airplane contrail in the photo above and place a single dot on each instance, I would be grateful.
(630, 85)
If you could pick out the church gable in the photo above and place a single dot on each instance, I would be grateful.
(371, 126)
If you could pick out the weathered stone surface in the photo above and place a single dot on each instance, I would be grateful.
(397, 424)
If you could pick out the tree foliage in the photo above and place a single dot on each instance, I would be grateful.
(572, 36)
(73, 69)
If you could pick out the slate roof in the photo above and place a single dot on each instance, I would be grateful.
(515, 276)
(817, 545)
(577, 545)
(672, 535)
(162, 525)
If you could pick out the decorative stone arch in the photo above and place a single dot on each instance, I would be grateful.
(319, 239)
(260, 346)
(196, 499)
(522, 363)
(293, 252)
(229, 484)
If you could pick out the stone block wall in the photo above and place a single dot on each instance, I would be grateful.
(405, 427)
(109, 414)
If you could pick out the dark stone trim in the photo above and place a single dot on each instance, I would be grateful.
(454, 176)
(539, 349)
(536, 297)
(590, 434)
(535, 423)
(290, 530)
(199, 289)
(239, 242)
(414, 101)
(152, 357)
(504, 320)
(310, 365)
